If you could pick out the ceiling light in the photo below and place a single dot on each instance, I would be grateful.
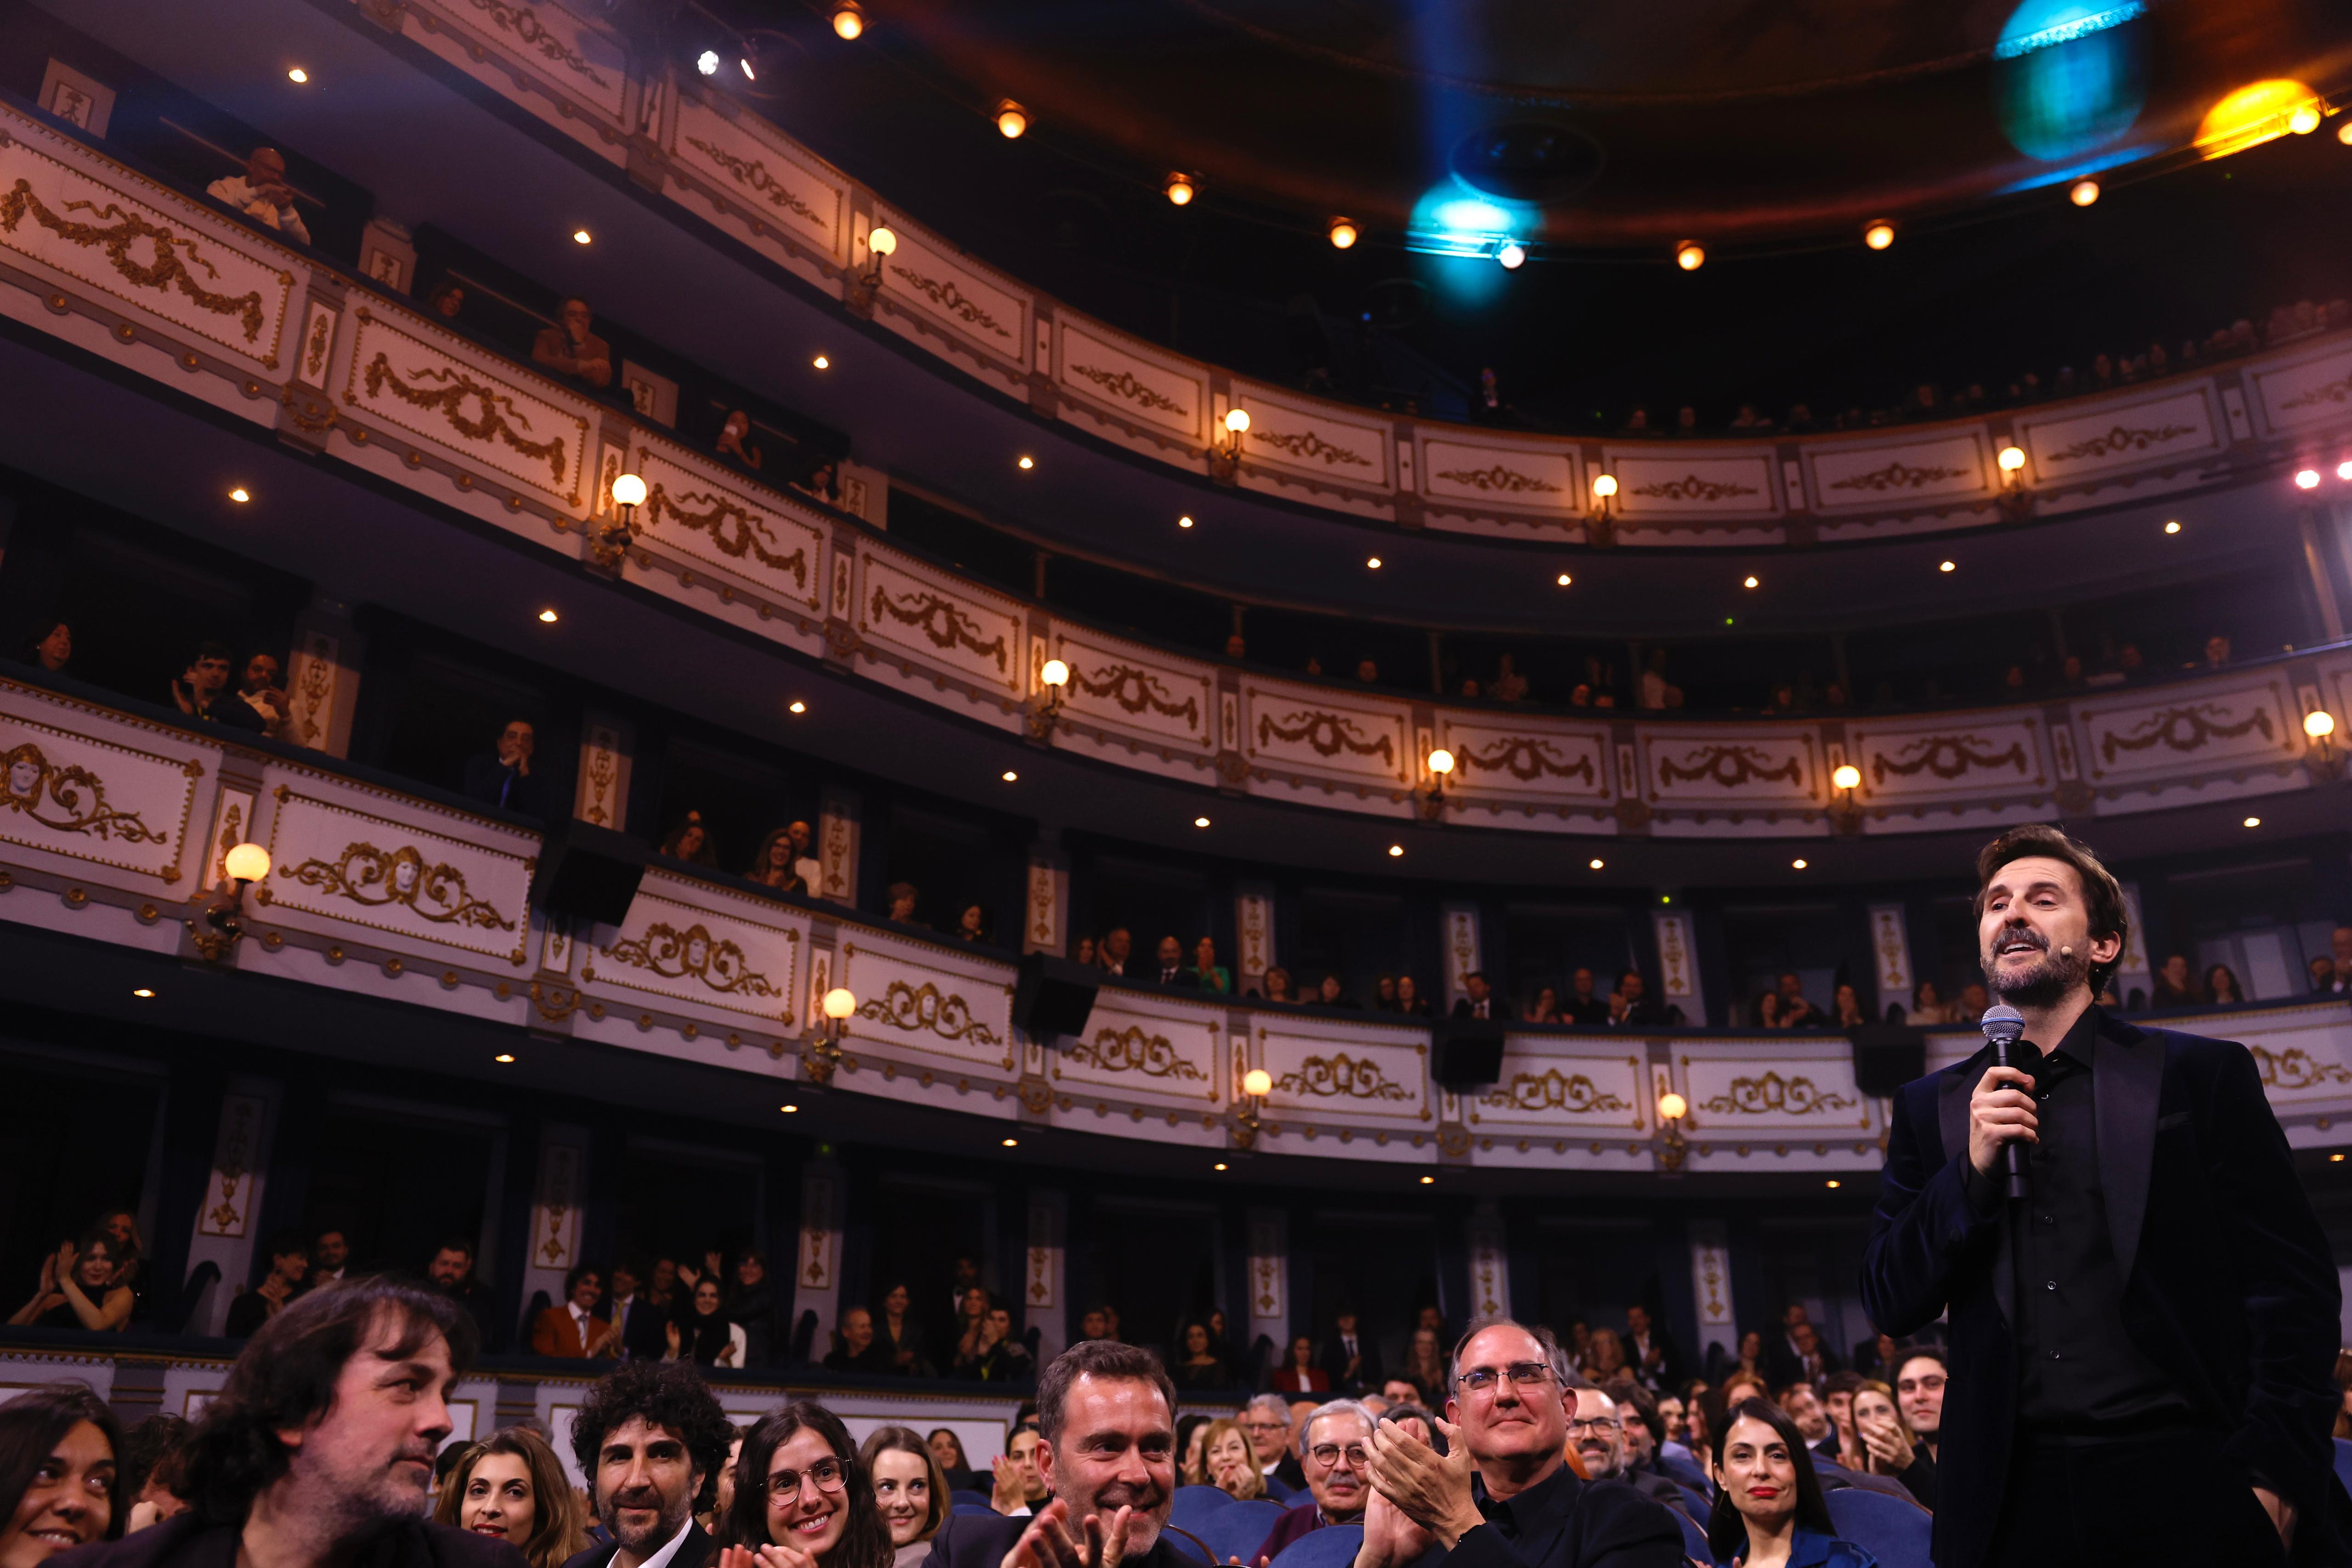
(2085, 192)
(1221, 1165)
(2304, 120)
(2343, 134)
(580, 237)
(706, 62)
(1183, 522)
(1200, 821)
(1396, 852)
(1180, 189)
(547, 616)
(1565, 580)
(1798, 864)
(1373, 561)
(2011, 459)
(629, 490)
(2336, 1159)
(749, 74)
(821, 362)
(1512, 255)
(1690, 255)
(848, 22)
(1343, 234)
(1604, 485)
(1830, 1184)
(1010, 777)
(506, 1056)
(1596, 865)
(2306, 479)
(1011, 1142)
(2344, 470)
(1257, 1083)
(297, 76)
(1429, 1181)
(797, 706)
(1028, 463)
(1440, 761)
(1879, 235)
(1748, 582)
(1946, 566)
(1054, 673)
(1012, 120)
(240, 495)
(2253, 822)
(789, 1110)
(143, 994)
(2172, 527)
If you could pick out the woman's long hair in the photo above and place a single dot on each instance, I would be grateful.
(906, 1440)
(864, 1540)
(1726, 1527)
(1251, 1478)
(33, 1424)
(701, 1338)
(556, 1531)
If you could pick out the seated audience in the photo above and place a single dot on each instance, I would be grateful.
(2174, 986)
(512, 1488)
(691, 841)
(1919, 1390)
(638, 1312)
(1847, 1004)
(801, 1496)
(573, 1332)
(505, 778)
(751, 1304)
(331, 1257)
(1266, 1420)
(263, 194)
(570, 348)
(1277, 984)
(1200, 1366)
(1604, 1357)
(1335, 1446)
(2322, 971)
(996, 1356)
(651, 1441)
(947, 1449)
(903, 896)
(1229, 1462)
(1580, 1006)
(1973, 1001)
(1597, 1436)
(1655, 1360)
(1929, 1007)
(1768, 1511)
(154, 1463)
(776, 864)
(1545, 1008)
(78, 1287)
(1298, 1374)
(1425, 1368)
(1017, 1490)
(451, 1272)
(1087, 952)
(1116, 956)
(1876, 1442)
(2221, 987)
(202, 692)
(2339, 963)
(853, 1348)
(1631, 1007)
(972, 926)
(49, 647)
(290, 1265)
(1384, 993)
(898, 1334)
(1351, 1360)
(1481, 1002)
(705, 1335)
(735, 440)
(260, 690)
(910, 1492)
(1330, 993)
(1796, 1011)
(61, 1480)
(1170, 969)
(1410, 1001)
(1208, 974)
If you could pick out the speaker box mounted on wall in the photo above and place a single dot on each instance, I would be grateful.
(1468, 1052)
(588, 872)
(1887, 1056)
(1052, 997)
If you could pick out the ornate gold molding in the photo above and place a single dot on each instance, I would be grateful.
(1553, 1090)
(720, 964)
(925, 1008)
(1307, 444)
(1509, 481)
(449, 401)
(2294, 1067)
(950, 298)
(1691, 487)
(1527, 758)
(73, 792)
(1341, 1077)
(1134, 1050)
(1328, 733)
(1123, 383)
(524, 24)
(1728, 766)
(168, 270)
(940, 620)
(373, 878)
(1896, 476)
(2184, 728)
(1773, 1094)
(734, 527)
(752, 172)
(2121, 438)
(1135, 690)
(1947, 757)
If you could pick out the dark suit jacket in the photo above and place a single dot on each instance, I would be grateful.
(969, 1540)
(696, 1550)
(1496, 1008)
(1335, 1362)
(186, 1540)
(1565, 1521)
(1185, 976)
(488, 778)
(2229, 1285)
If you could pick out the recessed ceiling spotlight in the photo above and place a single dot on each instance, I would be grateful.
(1010, 777)
(1512, 255)
(2173, 527)
(505, 1056)
(821, 362)
(1429, 1181)
(1690, 255)
(1373, 561)
(1878, 235)
(706, 62)
(1183, 522)
(1565, 580)
(1200, 821)
(297, 76)
(1221, 1165)
(2344, 470)
(547, 616)
(848, 22)
(2085, 192)
(2306, 479)
(1596, 864)
(1011, 1142)
(1748, 582)
(789, 1110)
(1395, 851)
(1012, 120)
(796, 705)
(580, 237)
(2253, 822)
(1946, 566)
(1180, 189)
(1799, 863)
(143, 994)
(240, 495)
(744, 63)
(1027, 462)
(1343, 233)
(1831, 1183)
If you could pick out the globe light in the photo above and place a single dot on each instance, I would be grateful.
(706, 62)
(1257, 1082)
(1879, 235)
(1012, 120)
(2304, 120)
(1604, 485)
(1237, 420)
(1440, 761)
(2319, 723)
(628, 490)
(1054, 672)
(1180, 189)
(1672, 1106)
(1343, 234)
(881, 242)
(1690, 255)
(839, 1002)
(1847, 777)
(2306, 479)
(248, 862)
(848, 22)
(2011, 459)
(1512, 255)
(2085, 192)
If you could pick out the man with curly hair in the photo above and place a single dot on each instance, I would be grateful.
(651, 1439)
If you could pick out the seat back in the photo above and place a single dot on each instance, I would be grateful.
(1894, 1530)
(1695, 1544)
(803, 1346)
(1333, 1546)
(2344, 1461)
(1241, 1530)
(1195, 1506)
(969, 1498)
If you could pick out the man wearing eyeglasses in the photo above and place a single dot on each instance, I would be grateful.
(1505, 1494)
(1336, 1447)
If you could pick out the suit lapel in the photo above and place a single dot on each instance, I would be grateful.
(2128, 1081)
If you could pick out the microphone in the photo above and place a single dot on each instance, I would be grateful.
(2004, 1026)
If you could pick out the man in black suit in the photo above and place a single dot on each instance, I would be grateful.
(1785, 1352)
(651, 1439)
(2141, 1346)
(1482, 1002)
(1351, 1360)
(1504, 1495)
(639, 1327)
(1106, 1453)
(1170, 970)
(1657, 1361)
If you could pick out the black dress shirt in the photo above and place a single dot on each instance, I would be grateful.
(2078, 1371)
(1567, 1522)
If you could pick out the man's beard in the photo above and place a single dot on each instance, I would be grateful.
(1600, 1465)
(648, 1500)
(363, 1512)
(2044, 983)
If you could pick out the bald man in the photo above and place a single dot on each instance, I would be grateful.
(262, 194)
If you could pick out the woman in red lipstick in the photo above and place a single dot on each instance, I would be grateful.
(513, 1487)
(1768, 1511)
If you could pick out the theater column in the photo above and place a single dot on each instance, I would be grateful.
(558, 1199)
(224, 1234)
(1461, 954)
(837, 846)
(1678, 964)
(1890, 953)
(1269, 1276)
(1253, 935)
(1041, 930)
(1045, 1295)
(1490, 1262)
(1710, 1254)
(816, 1267)
(602, 796)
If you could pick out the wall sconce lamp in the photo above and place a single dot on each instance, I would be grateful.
(1249, 1116)
(1054, 675)
(824, 1053)
(2016, 498)
(1237, 423)
(2324, 762)
(1672, 1150)
(611, 542)
(1845, 810)
(224, 925)
(1605, 496)
(1433, 799)
(879, 243)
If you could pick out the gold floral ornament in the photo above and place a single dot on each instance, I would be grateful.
(1510, 481)
(1123, 383)
(1727, 765)
(949, 297)
(1691, 487)
(1773, 1094)
(168, 270)
(68, 799)
(925, 1010)
(1135, 690)
(734, 528)
(1341, 1077)
(2186, 728)
(1553, 1090)
(1947, 757)
(939, 619)
(1526, 759)
(1133, 1050)
(1327, 734)
(373, 877)
(1307, 444)
(754, 173)
(676, 954)
(1899, 476)
(2294, 1067)
(449, 401)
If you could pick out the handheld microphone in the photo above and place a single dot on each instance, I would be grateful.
(2004, 1026)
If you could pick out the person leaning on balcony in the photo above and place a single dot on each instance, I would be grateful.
(1212, 975)
(262, 194)
(202, 692)
(504, 778)
(572, 349)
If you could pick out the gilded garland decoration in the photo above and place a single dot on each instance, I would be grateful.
(1327, 734)
(675, 955)
(1509, 481)
(1729, 767)
(2122, 438)
(1341, 1077)
(1135, 690)
(1691, 487)
(926, 1010)
(373, 878)
(450, 401)
(1897, 475)
(2294, 1067)
(1307, 444)
(1947, 757)
(1773, 1094)
(168, 270)
(939, 618)
(2184, 728)
(1124, 384)
(949, 297)
(753, 173)
(1553, 1090)
(1527, 758)
(734, 528)
(1133, 1050)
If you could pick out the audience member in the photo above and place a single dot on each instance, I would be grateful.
(651, 1440)
(1630, 1006)
(1229, 1463)
(202, 692)
(1480, 1002)
(751, 1304)
(260, 690)
(1335, 1449)
(1208, 974)
(947, 1448)
(2322, 972)
(1425, 1368)
(504, 777)
(803, 1496)
(1017, 1490)
(511, 1487)
(2221, 987)
(899, 1335)
(1657, 1361)
(998, 1356)
(61, 1479)
(1116, 952)
(853, 1349)
(910, 1491)
(330, 1258)
(451, 1272)
(573, 1332)
(2339, 963)
(1277, 986)
(1581, 1007)
(776, 864)
(903, 896)
(1298, 1374)
(691, 841)
(1769, 1507)
(1846, 1005)
(1170, 969)
(1545, 1008)
(1410, 1002)
(1797, 1011)
(262, 193)
(735, 440)
(1332, 993)
(1604, 1357)
(1597, 1433)
(1351, 1361)
(1266, 1420)
(1919, 1388)
(78, 1287)
(289, 1264)
(705, 1335)
(640, 1315)
(1200, 1366)
(2174, 986)
(49, 647)
(570, 348)
(1929, 1006)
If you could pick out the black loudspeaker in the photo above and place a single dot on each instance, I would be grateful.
(1054, 996)
(1887, 1056)
(588, 872)
(1468, 1052)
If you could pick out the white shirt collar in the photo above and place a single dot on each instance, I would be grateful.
(661, 1559)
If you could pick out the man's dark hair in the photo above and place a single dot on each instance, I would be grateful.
(156, 1449)
(1095, 1358)
(35, 1421)
(1910, 1352)
(1838, 1383)
(865, 1540)
(1727, 1531)
(1627, 1394)
(285, 1376)
(208, 649)
(458, 1245)
(2103, 896)
(581, 1271)
(666, 1394)
(1475, 975)
(286, 1243)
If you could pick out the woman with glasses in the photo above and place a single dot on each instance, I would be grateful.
(801, 1499)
